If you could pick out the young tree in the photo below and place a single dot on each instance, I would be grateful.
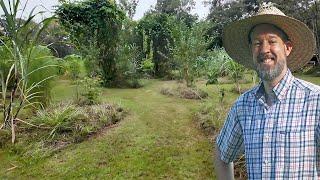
(190, 45)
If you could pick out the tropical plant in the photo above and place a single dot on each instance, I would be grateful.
(236, 72)
(147, 66)
(43, 65)
(16, 89)
(216, 65)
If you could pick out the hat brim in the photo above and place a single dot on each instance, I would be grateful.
(236, 43)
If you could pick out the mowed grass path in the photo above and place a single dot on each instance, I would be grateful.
(157, 140)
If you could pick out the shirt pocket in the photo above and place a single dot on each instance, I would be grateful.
(295, 147)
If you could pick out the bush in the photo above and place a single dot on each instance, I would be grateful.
(147, 66)
(127, 67)
(74, 66)
(216, 65)
(88, 89)
(41, 67)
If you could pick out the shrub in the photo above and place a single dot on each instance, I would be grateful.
(127, 66)
(147, 66)
(74, 66)
(88, 89)
(216, 65)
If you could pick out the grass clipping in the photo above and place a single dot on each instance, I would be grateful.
(62, 124)
(184, 92)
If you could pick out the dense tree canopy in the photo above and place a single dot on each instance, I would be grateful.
(95, 24)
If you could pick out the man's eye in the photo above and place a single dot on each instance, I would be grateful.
(256, 43)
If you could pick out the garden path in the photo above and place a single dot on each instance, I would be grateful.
(158, 139)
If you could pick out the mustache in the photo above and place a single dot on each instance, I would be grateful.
(262, 57)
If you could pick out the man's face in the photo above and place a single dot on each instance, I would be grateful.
(269, 51)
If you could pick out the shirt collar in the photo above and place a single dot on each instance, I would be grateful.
(280, 90)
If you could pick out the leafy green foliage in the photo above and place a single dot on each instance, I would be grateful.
(95, 24)
(157, 36)
(216, 65)
(73, 65)
(56, 38)
(22, 36)
(128, 58)
(61, 124)
(189, 46)
(43, 67)
(129, 6)
(147, 66)
(89, 90)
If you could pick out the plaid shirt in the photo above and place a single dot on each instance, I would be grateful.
(279, 141)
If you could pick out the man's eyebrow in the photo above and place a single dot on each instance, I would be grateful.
(273, 35)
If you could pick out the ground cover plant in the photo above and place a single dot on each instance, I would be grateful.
(60, 125)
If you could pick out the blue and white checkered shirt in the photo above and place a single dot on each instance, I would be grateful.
(279, 141)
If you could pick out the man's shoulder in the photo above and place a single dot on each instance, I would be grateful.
(248, 95)
(306, 86)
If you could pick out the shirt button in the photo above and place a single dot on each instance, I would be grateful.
(266, 162)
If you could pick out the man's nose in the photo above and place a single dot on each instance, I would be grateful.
(265, 47)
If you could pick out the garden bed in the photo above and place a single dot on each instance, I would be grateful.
(58, 126)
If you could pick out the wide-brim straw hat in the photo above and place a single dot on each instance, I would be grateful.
(236, 41)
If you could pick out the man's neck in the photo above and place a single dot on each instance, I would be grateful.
(269, 85)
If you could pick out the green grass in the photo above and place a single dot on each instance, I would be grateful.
(157, 140)
(312, 79)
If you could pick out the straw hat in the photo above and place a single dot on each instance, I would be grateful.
(236, 43)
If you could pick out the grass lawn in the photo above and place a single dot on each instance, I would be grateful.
(157, 140)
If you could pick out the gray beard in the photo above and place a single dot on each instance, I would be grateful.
(269, 75)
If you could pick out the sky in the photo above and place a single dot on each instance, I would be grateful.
(143, 6)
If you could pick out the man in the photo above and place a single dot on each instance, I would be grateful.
(276, 124)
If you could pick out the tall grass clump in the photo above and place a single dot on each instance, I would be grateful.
(61, 124)
(17, 88)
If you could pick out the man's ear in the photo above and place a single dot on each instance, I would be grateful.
(288, 47)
